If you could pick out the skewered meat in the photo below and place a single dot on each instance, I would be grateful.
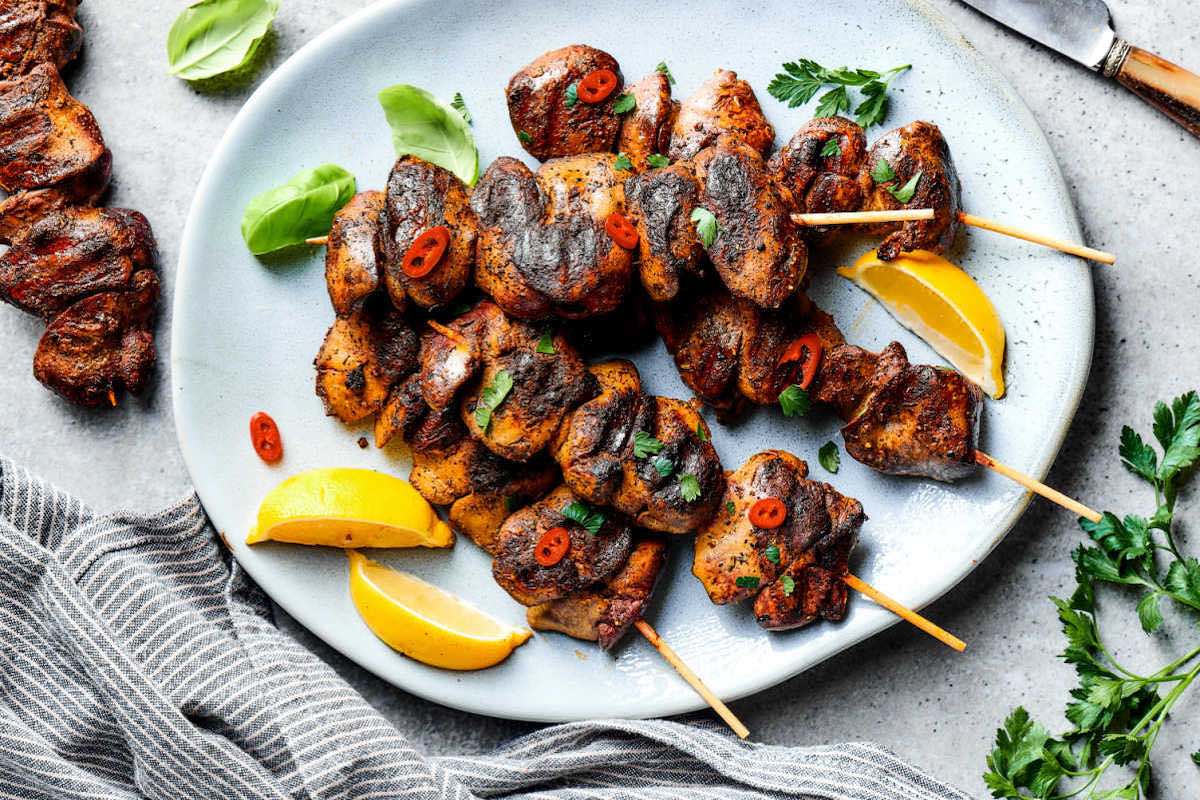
(74, 253)
(421, 196)
(819, 183)
(23, 209)
(596, 450)
(735, 559)
(646, 130)
(406, 413)
(102, 344)
(724, 107)
(603, 615)
(909, 419)
(548, 124)
(353, 253)
(629, 328)
(451, 354)
(363, 356)
(34, 32)
(758, 252)
(47, 137)
(543, 248)
(915, 149)
(661, 204)
(592, 558)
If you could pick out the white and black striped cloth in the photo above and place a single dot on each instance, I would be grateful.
(139, 661)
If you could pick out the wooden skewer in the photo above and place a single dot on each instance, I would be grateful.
(1037, 487)
(692, 678)
(855, 217)
(905, 613)
(1056, 244)
(317, 241)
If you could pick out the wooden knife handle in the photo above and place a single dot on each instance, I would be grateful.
(1168, 87)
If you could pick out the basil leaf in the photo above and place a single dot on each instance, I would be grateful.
(427, 128)
(301, 208)
(213, 37)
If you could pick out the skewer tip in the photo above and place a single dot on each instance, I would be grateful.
(317, 241)
(905, 613)
(1037, 487)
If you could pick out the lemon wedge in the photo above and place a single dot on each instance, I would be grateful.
(943, 305)
(344, 507)
(427, 623)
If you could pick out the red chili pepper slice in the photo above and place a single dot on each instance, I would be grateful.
(553, 545)
(425, 253)
(805, 353)
(770, 512)
(596, 86)
(264, 435)
(621, 230)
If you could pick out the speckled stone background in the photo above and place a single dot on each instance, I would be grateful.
(1131, 172)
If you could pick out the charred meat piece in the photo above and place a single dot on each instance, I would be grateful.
(604, 614)
(547, 123)
(629, 450)
(724, 107)
(819, 183)
(47, 137)
(102, 344)
(451, 354)
(363, 356)
(405, 413)
(591, 559)
(543, 249)
(915, 149)
(763, 370)
(353, 254)
(646, 130)
(661, 204)
(74, 253)
(23, 209)
(34, 32)
(735, 559)
(758, 252)
(421, 196)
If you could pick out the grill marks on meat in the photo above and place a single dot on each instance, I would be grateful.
(818, 184)
(364, 355)
(537, 104)
(34, 32)
(595, 450)
(102, 344)
(916, 147)
(421, 196)
(70, 254)
(723, 107)
(353, 253)
(661, 203)
(604, 614)
(647, 129)
(542, 247)
(813, 544)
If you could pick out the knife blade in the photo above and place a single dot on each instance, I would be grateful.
(1079, 29)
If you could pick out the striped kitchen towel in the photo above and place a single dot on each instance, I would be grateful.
(140, 661)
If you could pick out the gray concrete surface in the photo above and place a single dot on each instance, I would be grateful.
(1131, 172)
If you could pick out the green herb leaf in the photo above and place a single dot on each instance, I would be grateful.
(460, 105)
(585, 516)
(572, 95)
(1196, 758)
(491, 397)
(801, 80)
(829, 457)
(665, 70)
(833, 102)
(664, 465)
(730, 507)
(658, 161)
(874, 107)
(1016, 756)
(906, 192)
(427, 128)
(545, 345)
(772, 554)
(1149, 613)
(299, 209)
(1183, 581)
(523, 137)
(882, 171)
(689, 488)
(832, 147)
(215, 37)
(794, 401)
(701, 431)
(1137, 456)
(747, 581)
(625, 103)
(622, 162)
(789, 585)
(706, 225)
(646, 444)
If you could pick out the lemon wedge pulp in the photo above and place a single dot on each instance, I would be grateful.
(943, 305)
(427, 623)
(344, 507)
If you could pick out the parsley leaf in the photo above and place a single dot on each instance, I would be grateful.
(524, 137)
(1137, 456)
(706, 225)
(882, 171)
(829, 457)
(646, 444)
(747, 581)
(1196, 758)
(689, 488)
(1149, 613)
(772, 554)
(658, 161)
(801, 80)
(545, 345)
(663, 465)
(833, 102)
(665, 70)
(1183, 581)
(460, 105)
(572, 95)
(625, 103)
(833, 147)
(491, 397)
(906, 192)
(794, 401)
(730, 507)
(585, 516)
(622, 162)
(701, 431)
(789, 585)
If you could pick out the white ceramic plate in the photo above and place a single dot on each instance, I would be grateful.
(246, 330)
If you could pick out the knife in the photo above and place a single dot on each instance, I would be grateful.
(1082, 30)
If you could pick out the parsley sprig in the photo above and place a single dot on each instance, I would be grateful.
(1116, 713)
(801, 80)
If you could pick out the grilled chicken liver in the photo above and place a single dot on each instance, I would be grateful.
(353, 253)
(724, 107)
(364, 355)
(646, 130)
(34, 32)
(660, 205)
(817, 183)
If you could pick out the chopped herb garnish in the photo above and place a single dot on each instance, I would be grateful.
(545, 344)
(882, 171)
(664, 465)
(794, 401)
(625, 103)
(706, 225)
(701, 432)
(747, 581)
(833, 147)
(658, 161)
(689, 488)
(801, 80)
(905, 192)
(730, 507)
(524, 137)
(585, 516)
(645, 444)
(665, 70)
(572, 95)
(789, 585)
(623, 162)
(772, 554)
(491, 397)
(829, 457)
(460, 105)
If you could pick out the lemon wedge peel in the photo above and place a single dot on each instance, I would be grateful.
(427, 623)
(942, 304)
(349, 508)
